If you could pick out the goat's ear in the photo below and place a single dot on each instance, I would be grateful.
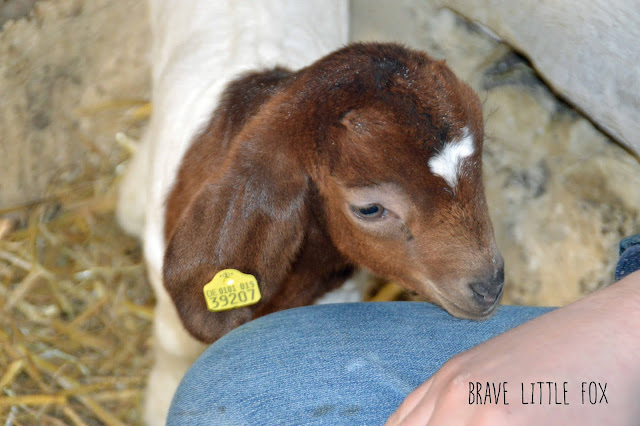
(252, 218)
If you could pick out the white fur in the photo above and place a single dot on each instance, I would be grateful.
(351, 291)
(198, 47)
(448, 162)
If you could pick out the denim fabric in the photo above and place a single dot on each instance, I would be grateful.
(328, 364)
(629, 257)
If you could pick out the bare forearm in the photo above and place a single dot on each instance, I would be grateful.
(596, 339)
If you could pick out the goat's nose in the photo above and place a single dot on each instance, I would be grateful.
(486, 293)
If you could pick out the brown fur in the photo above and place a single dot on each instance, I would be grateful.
(260, 188)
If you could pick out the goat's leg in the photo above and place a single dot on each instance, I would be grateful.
(134, 189)
(174, 352)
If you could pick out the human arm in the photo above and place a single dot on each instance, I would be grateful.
(594, 339)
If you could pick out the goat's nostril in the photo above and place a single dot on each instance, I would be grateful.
(486, 293)
(483, 299)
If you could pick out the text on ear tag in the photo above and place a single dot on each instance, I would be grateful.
(230, 289)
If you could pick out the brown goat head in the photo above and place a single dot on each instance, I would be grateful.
(369, 157)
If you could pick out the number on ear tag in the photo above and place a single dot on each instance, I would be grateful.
(231, 289)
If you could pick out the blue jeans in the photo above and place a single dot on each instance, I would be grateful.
(333, 364)
(629, 257)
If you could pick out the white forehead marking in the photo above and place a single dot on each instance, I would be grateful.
(446, 163)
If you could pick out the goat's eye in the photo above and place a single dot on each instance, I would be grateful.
(371, 211)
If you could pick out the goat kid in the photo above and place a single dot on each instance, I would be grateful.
(369, 157)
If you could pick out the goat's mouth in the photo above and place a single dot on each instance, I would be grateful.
(473, 306)
(473, 312)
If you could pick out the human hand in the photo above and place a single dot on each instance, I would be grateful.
(596, 339)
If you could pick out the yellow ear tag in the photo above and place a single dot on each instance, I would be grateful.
(231, 289)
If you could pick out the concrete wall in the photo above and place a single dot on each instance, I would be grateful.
(67, 72)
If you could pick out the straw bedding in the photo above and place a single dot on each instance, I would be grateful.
(75, 308)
